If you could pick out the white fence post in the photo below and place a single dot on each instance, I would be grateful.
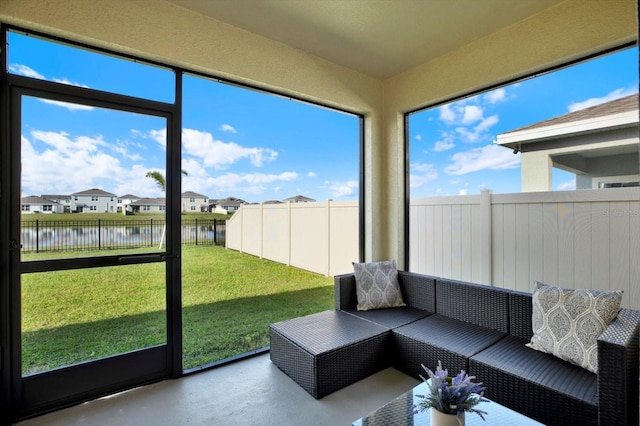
(486, 236)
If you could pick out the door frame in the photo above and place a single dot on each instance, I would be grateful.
(38, 393)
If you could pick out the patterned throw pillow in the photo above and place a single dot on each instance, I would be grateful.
(377, 285)
(567, 323)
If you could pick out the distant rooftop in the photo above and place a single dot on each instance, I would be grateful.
(94, 191)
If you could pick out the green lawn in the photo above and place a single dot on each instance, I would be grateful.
(229, 300)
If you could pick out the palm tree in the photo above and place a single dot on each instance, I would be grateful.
(162, 184)
(160, 180)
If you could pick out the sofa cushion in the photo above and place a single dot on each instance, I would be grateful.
(567, 322)
(377, 285)
(391, 317)
(439, 338)
(536, 384)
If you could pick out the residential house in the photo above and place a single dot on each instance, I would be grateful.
(34, 204)
(94, 201)
(148, 205)
(194, 202)
(299, 199)
(124, 201)
(64, 200)
(599, 144)
(228, 205)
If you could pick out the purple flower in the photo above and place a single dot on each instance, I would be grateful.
(451, 395)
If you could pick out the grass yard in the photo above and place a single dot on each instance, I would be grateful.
(229, 300)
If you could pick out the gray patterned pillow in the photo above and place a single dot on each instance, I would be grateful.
(377, 285)
(567, 323)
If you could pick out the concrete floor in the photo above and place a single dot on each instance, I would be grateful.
(248, 392)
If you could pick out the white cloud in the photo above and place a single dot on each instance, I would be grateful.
(567, 186)
(55, 162)
(246, 183)
(339, 189)
(30, 72)
(215, 153)
(492, 157)
(311, 174)
(70, 83)
(421, 174)
(478, 132)
(443, 145)
(471, 114)
(25, 71)
(463, 192)
(418, 137)
(447, 114)
(616, 94)
(68, 105)
(228, 128)
(496, 96)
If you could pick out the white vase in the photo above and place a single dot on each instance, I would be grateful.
(443, 419)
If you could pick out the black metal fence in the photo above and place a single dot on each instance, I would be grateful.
(45, 236)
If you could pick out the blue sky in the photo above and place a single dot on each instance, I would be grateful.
(236, 142)
(452, 149)
(259, 147)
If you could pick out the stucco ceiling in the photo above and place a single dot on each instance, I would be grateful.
(380, 38)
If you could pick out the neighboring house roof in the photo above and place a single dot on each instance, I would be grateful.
(617, 114)
(129, 197)
(56, 197)
(272, 202)
(191, 194)
(300, 199)
(33, 199)
(617, 106)
(149, 202)
(95, 191)
(229, 201)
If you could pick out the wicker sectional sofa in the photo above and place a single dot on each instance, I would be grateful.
(478, 328)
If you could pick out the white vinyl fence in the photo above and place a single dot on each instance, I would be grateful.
(574, 239)
(321, 237)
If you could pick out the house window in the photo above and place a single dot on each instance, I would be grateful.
(119, 201)
(75, 198)
(193, 208)
(192, 200)
(94, 198)
(25, 207)
(47, 208)
(146, 208)
(618, 184)
(162, 208)
(93, 208)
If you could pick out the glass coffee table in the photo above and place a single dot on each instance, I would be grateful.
(400, 412)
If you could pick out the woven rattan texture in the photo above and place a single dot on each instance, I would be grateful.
(437, 338)
(345, 291)
(391, 317)
(520, 311)
(532, 399)
(512, 356)
(482, 305)
(618, 369)
(419, 291)
(323, 373)
(327, 331)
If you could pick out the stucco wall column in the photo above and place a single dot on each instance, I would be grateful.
(536, 171)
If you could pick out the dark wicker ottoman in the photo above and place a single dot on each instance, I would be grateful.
(327, 351)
